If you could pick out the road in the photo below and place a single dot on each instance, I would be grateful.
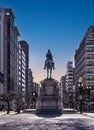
(25, 121)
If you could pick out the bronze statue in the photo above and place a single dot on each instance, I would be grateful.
(49, 64)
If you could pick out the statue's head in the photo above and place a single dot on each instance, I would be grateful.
(48, 50)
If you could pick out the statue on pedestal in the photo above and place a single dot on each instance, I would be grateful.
(49, 101)
(49, 64)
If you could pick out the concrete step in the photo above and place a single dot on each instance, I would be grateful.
(33, 111)
(69, 111)
(50, 111)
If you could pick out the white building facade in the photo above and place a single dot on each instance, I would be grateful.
(21, 77)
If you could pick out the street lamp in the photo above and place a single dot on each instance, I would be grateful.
(81, 93)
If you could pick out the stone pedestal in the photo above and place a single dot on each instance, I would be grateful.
(49, 101)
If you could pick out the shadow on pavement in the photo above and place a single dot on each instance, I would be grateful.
(48, 115)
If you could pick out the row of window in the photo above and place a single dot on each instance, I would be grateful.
(90, 42)
(90, 49)
(90, 63)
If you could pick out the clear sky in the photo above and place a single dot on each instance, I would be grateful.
(58, 25)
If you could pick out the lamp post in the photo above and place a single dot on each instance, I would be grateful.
(81, 93)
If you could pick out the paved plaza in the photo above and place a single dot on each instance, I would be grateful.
(28, 121)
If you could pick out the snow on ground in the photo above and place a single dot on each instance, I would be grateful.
(26, 121)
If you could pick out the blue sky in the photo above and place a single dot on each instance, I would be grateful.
(58, 25)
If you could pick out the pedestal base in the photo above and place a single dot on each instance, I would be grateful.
(49, 101)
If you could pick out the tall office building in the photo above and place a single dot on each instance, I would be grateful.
(69, 83)
(62, 90)
(21, 77)
(69, 76)
(25, 47)
(8, 49)
(1, 48)
(84, 65)
(30, 89)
